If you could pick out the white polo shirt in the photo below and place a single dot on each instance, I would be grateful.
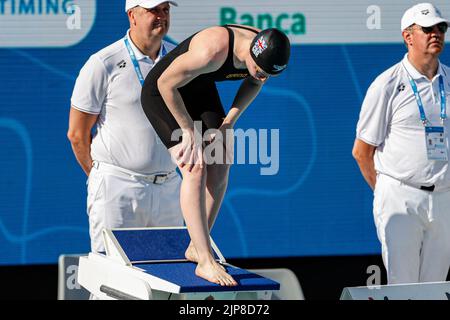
(390, 120)
(109, 86)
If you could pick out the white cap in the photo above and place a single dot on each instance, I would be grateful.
(423, 14)
(148, 4)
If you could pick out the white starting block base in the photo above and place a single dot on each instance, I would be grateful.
(110, 280)
(149, 264)
(410, 291)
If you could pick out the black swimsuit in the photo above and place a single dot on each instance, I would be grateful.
(200, 96)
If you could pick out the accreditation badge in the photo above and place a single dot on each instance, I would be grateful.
(436, 144)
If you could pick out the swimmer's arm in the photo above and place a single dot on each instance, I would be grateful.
(198, 60)
(247, 92)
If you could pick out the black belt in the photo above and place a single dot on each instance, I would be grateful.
(430, 188)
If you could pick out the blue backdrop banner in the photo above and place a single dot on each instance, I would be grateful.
(312, 202)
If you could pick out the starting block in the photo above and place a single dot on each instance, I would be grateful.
(149, 264)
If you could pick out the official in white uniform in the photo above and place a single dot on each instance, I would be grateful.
(402, 149)
(132, 179)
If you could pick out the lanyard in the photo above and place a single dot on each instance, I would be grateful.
(419, 100)
(135, 62)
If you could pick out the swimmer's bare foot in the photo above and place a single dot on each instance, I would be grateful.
(214, 272)
(192, 255)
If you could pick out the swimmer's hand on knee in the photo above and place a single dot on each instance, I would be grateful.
(190, 154)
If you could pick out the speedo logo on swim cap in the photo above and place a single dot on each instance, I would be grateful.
(279, 68)
(259, 46)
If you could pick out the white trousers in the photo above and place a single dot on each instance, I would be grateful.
(413, 227)
(119, 200)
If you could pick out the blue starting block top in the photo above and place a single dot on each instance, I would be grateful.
(183, 274)
(160, 252)
(155, 244)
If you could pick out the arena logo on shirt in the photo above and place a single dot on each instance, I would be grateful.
(45, 23)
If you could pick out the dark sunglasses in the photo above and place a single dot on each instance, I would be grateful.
(442, 27)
